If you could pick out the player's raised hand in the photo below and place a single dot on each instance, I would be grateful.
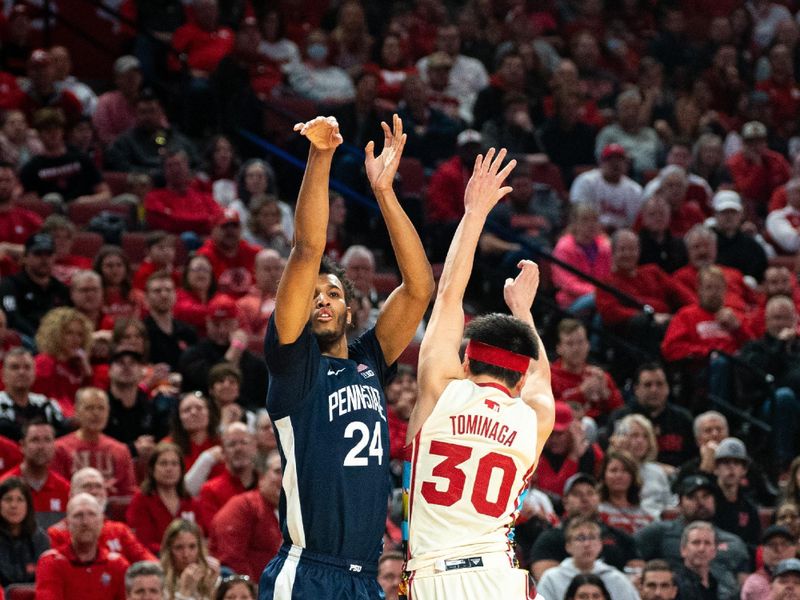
(520, 291)
(322, 132)
(382, 169)
(485, 187)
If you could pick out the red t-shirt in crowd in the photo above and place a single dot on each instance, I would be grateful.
(649, 285)
(193, 210)
(203, 49)
(567, 388)
(756, 182)
(445, 190)
(51, 497)
(17, 224)
(216, 492)
(10, 454)
(738, 295)
(147, 268)
(59, 379)
(245, 534)
(114, 537)
(234, 274)
(149, 518)
(64, 268)
(107, 455)
(255, 309)
(551, 477)
(694, 333)
(60, 576)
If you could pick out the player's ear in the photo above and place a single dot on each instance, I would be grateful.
(465, 366)
(517, 391)
(349, 317)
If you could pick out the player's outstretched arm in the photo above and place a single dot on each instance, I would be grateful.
(439, 361)
(536, 392)
(296, 288)
(404, 308)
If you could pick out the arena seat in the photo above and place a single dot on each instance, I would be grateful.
(86, 243)
(135, 246)
(549, 174)
(43, 209)
(81, 214)
(412, 177)
(117, 181)
(766, 515)
(385, 283)
(21, 591)
(410, 355)
(116, 507)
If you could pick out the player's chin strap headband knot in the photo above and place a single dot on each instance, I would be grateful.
(498, 357)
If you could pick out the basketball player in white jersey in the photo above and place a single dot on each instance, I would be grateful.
(479, 426)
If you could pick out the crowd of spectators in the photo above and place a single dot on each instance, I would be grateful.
(143, 233)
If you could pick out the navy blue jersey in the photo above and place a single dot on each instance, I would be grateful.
(329, 416)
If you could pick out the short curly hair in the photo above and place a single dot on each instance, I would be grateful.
(50, 335)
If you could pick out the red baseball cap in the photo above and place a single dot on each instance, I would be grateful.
(564, 417)
(222, 307)
(613, 151)
(228, 215)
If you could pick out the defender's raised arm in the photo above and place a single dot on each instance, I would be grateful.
(403, 310)
(439, 361)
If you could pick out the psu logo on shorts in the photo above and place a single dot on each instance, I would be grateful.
(355, 568)
(365, 371)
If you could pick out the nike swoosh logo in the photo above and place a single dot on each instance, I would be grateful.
(336, 372)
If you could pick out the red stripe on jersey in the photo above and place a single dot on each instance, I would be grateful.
(414, 446)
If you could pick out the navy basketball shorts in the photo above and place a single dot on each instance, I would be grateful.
(297, 574)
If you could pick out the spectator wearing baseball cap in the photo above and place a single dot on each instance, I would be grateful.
(132, 416)
(224, 341)
(566, 452)
(116, 110)
(27, 296)
(756, 170)
(446, 189)
(616, 197)
(786, 581)
(735, 248)
(697, 502)
(778, 544)
(580, 499)
(232, 258)
(735, 511)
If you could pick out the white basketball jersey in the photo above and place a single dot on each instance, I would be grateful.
(470, 462)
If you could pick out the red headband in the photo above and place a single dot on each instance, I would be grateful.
(492, 355)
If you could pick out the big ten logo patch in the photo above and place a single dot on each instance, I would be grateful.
(365, 371)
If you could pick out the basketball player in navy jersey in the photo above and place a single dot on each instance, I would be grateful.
(325, 395)
(479, 425)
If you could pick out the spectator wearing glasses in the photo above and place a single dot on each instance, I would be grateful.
(584, 545)
(778, 545)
